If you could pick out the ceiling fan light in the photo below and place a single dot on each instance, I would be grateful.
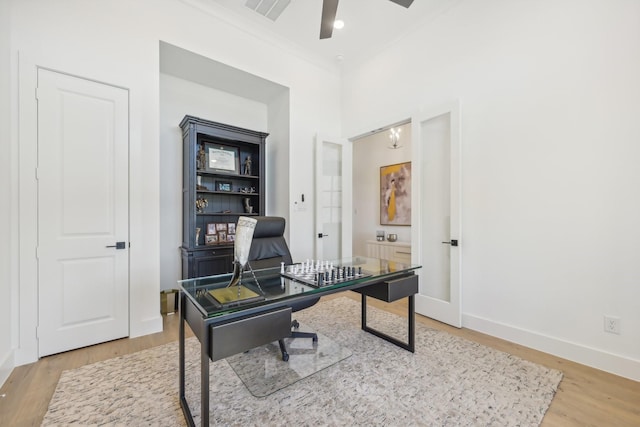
(338, 24)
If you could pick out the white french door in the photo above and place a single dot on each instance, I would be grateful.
(333, 199)
(436, 221)
(83, 205)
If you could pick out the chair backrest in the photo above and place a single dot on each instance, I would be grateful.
(269, 248)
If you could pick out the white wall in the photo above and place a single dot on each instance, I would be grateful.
(550, 105)
(369, 154)
(179, 97)
(6, 178)
(117, 42)
(278, 149)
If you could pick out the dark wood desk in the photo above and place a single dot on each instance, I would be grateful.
(223, 332)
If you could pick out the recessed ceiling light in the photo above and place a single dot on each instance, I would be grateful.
(338, 24)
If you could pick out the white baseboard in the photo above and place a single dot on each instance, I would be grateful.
(595, 358)
(6, 367)
(146, 326)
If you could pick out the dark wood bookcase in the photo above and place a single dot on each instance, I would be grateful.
(218, 186)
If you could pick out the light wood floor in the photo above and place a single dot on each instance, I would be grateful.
(586, 396)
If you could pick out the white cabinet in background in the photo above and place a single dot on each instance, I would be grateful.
(393, 251)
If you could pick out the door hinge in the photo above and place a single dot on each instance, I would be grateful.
(37, 252)
(37, 174)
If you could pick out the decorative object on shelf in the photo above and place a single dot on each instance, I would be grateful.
(248, 190)
(392, 237)
(223, 158)
(201, 157)
(247, 205)
(199, 185)
(211, 228)
(380, 235)
(197, 235)
(394, 136)
(220, 233)
(223, 186)
(201, 203)
(247, 165)
(395, 194)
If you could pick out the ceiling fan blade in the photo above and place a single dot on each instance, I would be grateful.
(405, 3)
(329, 10)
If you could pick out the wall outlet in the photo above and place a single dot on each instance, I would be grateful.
(612, 324)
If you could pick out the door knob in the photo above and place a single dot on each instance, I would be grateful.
(452, 243)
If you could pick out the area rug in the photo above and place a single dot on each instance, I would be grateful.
(448, 381)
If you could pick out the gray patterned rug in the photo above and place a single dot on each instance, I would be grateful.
(448, 381)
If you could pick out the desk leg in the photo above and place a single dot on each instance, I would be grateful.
(204, 371)
(411, 317)
(181, 337)
(204, 384)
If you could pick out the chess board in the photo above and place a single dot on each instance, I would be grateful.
(322, 273)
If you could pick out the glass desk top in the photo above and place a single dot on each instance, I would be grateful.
(207, 292)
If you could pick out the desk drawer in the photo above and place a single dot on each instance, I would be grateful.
(392, 290)
(248, 332)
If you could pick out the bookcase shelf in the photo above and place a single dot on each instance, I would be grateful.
(218, 177)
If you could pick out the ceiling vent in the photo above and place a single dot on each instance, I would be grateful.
(269, 8)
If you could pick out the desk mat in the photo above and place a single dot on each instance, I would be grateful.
(263, 371)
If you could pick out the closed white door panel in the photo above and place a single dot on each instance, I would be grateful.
(331, 215)
(83, 283)
(437, 218)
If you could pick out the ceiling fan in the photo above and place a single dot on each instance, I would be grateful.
(329, 10)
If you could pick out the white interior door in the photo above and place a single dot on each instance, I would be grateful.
(437, 217)
(333, 199)
(83, 274)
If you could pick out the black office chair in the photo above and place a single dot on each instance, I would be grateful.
(269, 249)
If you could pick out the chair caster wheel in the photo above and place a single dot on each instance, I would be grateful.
(315, 339)
(295, 324)
(285, 357)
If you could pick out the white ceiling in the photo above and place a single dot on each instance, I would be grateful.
(370, 25)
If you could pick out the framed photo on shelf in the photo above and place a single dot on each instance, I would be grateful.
(223, 186)
(231, 228)
(210, 239)
(231, 238)
(211, 228)
(222, 158)
(222, 236)
(221, 226)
